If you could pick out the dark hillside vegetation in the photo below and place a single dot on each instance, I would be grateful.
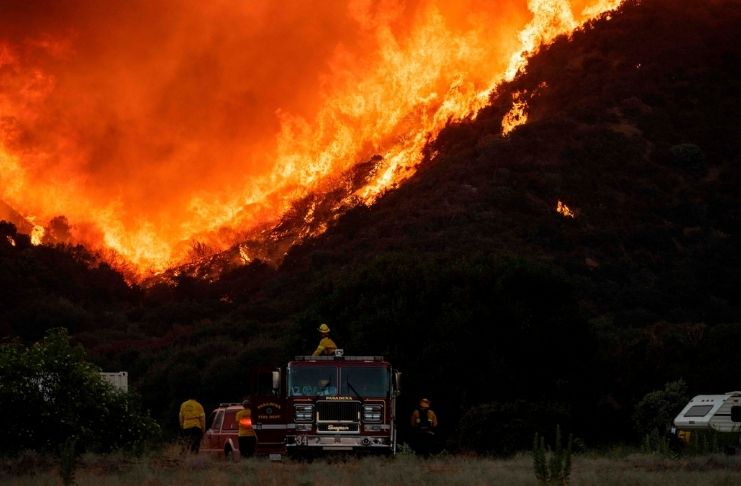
(508, 315)
(64, 286)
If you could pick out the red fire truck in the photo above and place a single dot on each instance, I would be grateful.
(327, 403)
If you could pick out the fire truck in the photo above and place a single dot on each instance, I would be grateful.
(328, 403)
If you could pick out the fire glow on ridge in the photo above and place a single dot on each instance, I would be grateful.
(153, 124)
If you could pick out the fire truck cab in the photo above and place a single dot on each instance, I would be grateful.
(339, 403)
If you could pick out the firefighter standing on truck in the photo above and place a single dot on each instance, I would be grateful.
(192, 423)
(326, 345)
(424, 423)
(247, 436)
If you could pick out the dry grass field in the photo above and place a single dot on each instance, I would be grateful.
(169, 467)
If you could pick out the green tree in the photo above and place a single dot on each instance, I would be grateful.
(657, 409)
(49, 394)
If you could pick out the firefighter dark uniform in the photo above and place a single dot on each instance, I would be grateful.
(424, 419)
(326, 345)
(424, 423)
(192, 423)
(247, 437)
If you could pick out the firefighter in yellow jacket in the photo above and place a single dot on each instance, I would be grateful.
(192, 423)
(247, 437)
(326, 345)
(424, 419)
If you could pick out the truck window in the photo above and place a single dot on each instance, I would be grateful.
(229, 420)
(698, 411)
(211, 419)
(216, 424)
(364, 382)
(314, 381)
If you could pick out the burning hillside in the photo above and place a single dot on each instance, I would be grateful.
(163, 131)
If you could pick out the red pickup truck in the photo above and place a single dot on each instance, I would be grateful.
(223, 431)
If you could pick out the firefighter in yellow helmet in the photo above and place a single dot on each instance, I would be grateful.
(192, 423)
(247, 437)
(326, 345)
(424, 423)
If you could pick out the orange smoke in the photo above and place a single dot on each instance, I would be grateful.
(153, 124)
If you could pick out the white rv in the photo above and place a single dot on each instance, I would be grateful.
(721, 413)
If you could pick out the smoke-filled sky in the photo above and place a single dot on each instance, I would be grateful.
(147, 122)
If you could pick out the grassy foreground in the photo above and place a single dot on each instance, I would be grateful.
(169, 467)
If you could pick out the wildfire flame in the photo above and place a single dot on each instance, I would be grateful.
(516, 116)
(151, 125)
(37, 235)
(564, 210)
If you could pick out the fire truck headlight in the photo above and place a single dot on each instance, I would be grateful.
(372, 413)
(303, 413)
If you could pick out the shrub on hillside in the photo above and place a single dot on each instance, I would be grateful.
(688, 156)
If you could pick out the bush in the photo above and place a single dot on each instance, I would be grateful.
(553, 468)
(506, 428)
(657, 409)
(688, 156)
(50, 394)
(713, 442)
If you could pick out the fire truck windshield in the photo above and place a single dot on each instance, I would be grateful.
(364, 382)
(361, 382)
(315, 381)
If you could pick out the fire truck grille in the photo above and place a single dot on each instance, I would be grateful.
(338, 411)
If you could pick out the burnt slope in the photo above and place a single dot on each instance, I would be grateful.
(636, 130)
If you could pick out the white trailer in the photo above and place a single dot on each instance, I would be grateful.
(119, 379)
(721, 413)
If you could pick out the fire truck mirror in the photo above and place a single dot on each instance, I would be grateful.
(276, 381)
(397, 383)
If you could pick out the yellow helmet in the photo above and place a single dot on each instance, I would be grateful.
(424, 403)
(324, 329)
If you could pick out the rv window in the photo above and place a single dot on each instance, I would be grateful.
(698, 411)
(736, 413)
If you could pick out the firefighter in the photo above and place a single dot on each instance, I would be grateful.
(192, 424)
(424, 424)
(247, 436)
(326, 345)
(326, 388)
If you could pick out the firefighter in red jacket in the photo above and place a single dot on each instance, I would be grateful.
(326, 345)
(247, 437)
(424, 423)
